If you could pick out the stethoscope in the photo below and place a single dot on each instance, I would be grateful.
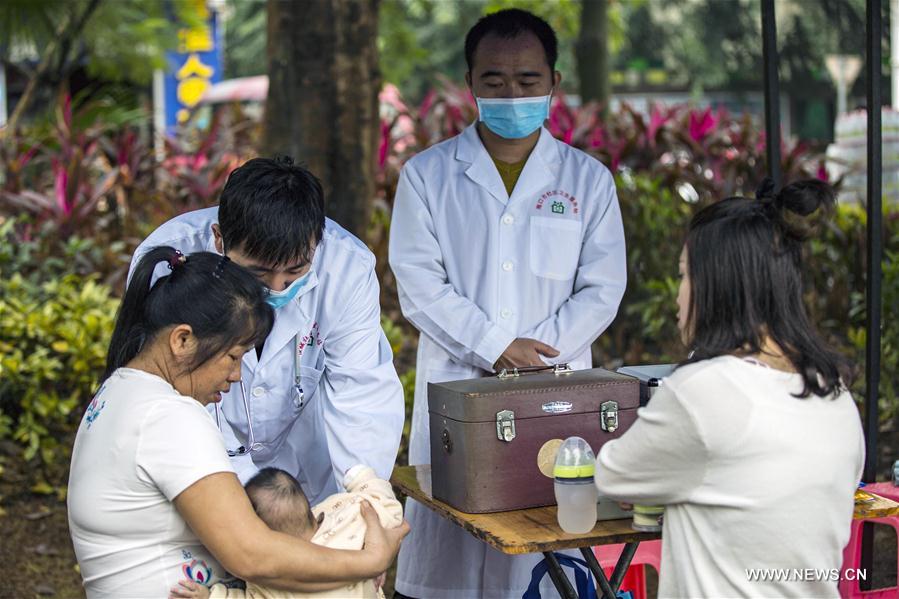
(299, 401)
(243, 449)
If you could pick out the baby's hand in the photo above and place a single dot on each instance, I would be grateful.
(188, 589)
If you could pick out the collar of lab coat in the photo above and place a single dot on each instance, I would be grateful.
(289, 319)
(538, 170)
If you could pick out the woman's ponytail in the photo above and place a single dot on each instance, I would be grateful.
(130, 328)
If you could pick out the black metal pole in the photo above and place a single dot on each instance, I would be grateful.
(772, 91)
(874, 237)
(874, 247)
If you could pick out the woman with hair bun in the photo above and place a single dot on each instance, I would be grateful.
(152, 494)
(754, 444)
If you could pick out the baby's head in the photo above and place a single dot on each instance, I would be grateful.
(280, 502)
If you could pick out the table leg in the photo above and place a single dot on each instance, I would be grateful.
(563, 585)
(624, 562)
(609, 588)
(605, 588)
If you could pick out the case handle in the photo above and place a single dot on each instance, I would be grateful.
(557, 369)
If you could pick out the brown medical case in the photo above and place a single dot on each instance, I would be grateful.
(486, 433)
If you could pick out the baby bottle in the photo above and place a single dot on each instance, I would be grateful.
(576, 494)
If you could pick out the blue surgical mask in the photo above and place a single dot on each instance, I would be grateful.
(514, 118)
(278, 299)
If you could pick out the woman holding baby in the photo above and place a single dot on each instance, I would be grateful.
(152, 494)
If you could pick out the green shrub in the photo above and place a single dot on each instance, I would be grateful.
(39, 253)
(836, 298)
(645, 329)
(53, 341)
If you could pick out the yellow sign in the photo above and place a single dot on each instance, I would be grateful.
(195, 40)
(193, 81)
(194, 66)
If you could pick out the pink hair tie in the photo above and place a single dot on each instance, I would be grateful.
(176, 259)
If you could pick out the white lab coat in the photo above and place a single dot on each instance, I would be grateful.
(353, 411)
(476, 269)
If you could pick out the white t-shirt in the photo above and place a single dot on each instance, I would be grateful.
(140, 444)
(752, 478)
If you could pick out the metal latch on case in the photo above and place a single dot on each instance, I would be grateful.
(505, 425)
(447, 441)
(608, 416)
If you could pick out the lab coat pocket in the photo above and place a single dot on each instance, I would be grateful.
(309, 379)
(555, 247)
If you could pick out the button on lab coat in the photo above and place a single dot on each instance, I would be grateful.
(475, 269)
(353, 408)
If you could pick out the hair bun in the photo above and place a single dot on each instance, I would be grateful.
(798, 201)
(806, 196)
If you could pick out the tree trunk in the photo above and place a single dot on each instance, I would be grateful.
(322, 106)
(592, 52)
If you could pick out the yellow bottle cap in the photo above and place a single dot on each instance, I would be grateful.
(582, 471)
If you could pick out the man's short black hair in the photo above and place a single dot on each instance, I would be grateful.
(509, 24)
(273, 211)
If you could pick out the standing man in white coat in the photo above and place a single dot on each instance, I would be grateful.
(508, 251)
(321, 394)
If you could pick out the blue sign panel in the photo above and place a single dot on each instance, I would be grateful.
(192, 68)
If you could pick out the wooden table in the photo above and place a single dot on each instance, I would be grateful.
(531, 531)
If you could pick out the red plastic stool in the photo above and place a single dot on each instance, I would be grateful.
(649, 553)
(849, 589)
(884, 490)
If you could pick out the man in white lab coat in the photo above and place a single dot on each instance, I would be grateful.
(508, 251)
(321, 394)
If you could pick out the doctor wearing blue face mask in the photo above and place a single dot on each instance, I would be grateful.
(508, 251)
(321, 393)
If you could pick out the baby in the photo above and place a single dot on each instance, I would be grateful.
(336, 522)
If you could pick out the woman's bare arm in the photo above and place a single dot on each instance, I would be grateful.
(217, 509)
